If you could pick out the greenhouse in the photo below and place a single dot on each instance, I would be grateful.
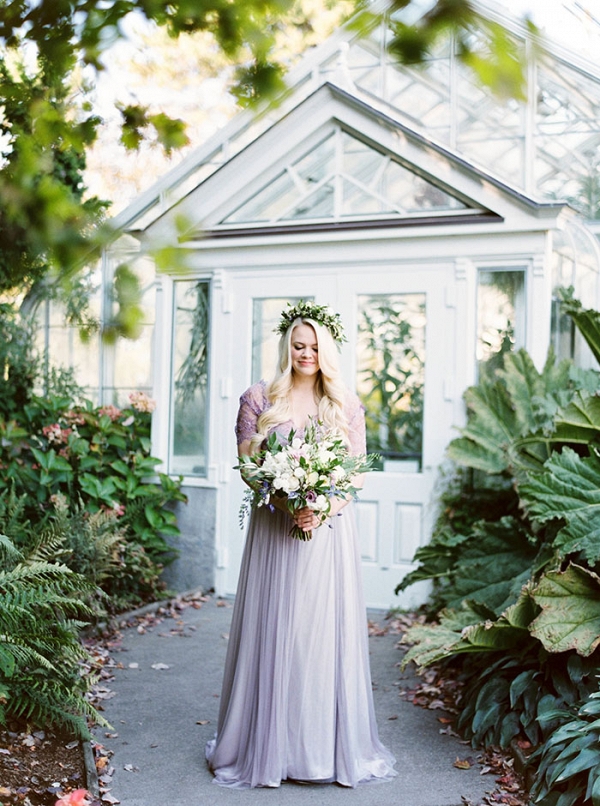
(438, 220)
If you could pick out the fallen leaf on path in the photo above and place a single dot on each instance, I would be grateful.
(203, 722)
(462, 764)
(160, 666)
(131, 768)
(436, 705)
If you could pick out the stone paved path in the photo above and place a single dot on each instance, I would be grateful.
(158, 753)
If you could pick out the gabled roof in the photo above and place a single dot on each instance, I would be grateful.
(470, 194)
(350, 69)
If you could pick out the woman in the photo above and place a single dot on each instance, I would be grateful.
(296, 701)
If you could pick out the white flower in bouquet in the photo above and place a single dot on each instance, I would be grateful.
(320, 504)
(302, 473)
(338, 473)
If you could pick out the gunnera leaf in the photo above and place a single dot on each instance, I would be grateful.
(568, 489)
(570, 616)
(493, 566)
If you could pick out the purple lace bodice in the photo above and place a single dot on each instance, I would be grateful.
(254, 401)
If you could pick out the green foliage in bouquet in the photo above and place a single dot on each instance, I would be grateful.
(41, 607)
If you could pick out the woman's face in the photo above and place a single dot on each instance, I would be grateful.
(304, 350)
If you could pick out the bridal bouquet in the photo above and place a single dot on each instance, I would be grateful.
(307, 472)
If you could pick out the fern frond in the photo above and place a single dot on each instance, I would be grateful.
(8, 550)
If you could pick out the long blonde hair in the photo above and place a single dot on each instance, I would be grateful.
(330, 388)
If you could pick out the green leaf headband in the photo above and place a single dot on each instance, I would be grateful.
(322, 314)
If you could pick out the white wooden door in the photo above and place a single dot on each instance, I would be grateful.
(396, 508)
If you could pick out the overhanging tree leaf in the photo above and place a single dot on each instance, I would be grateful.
(570, 617)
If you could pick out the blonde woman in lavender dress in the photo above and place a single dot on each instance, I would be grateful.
(296, 702)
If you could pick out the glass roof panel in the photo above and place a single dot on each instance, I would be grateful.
(268, 203)
(317, 205)
(443, 101)
(356, 201)
(317, 164)
(368, 182)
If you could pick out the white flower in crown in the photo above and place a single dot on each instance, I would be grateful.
(321, 314)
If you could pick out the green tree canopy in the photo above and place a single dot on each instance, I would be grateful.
(48, 229)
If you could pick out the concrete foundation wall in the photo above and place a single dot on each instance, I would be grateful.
(195, 566)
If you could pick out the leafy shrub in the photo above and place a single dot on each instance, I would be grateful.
(98, 459)
(19, 365)
(507, 695)
(569, 761)
(520, 586)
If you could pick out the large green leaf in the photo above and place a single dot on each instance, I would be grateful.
(525, 386)
(489, 430)
(461, 631)
(493, 566)
(587, 321)
(579, 422)
(511, 416)
(570, 617)
(568, 489)
(432, 642)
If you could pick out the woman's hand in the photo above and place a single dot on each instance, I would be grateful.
(306, 519)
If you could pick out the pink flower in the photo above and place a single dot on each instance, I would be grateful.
(55, 434)
(141, 402)
(76, 798)
(117, 509)
(74, 417)
(112, 411)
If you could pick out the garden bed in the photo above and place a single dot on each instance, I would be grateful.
(37, 767)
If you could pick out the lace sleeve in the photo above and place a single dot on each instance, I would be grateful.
(252, 404)
(355, 413)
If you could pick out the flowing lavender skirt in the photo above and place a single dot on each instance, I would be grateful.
(296, 700)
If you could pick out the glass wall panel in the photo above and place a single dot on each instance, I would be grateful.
(129, 363)
(62, 347)
(189, 391)
(265, 318)
(391, 376)
(500, 315)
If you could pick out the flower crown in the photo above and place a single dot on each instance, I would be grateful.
(322, 314)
